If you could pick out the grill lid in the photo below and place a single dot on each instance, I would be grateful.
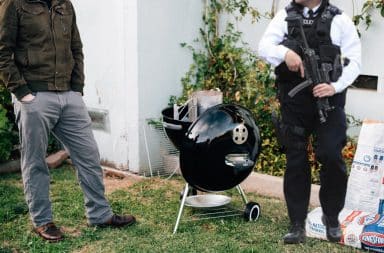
(220, 148)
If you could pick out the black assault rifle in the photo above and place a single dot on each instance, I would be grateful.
(314, 75)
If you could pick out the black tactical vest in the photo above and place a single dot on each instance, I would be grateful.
(317, 31)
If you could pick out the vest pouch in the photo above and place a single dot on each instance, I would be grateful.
(331, 54)
(328, 53)
(293, 45)
(283, 74)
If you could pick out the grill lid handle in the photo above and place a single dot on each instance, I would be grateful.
(239, 161)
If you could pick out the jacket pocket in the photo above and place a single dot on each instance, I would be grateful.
(32, 8)
(69, 59)
(21, 58)
(38, 59)
(33, 20)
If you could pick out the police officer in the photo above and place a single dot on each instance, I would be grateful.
(331, 33)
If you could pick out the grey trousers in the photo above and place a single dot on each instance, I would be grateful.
(64, 114)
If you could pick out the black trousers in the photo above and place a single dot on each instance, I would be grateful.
(300, 119)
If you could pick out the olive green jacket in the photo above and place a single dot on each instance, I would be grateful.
(40, 48)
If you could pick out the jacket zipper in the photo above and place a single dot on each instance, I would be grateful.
(51, 17)
(62, 24)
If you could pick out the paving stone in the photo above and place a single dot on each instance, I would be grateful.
(271, 186)
(56, 159)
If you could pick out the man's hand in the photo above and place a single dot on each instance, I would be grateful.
(294, 62)
(27, 98)
(323, 90)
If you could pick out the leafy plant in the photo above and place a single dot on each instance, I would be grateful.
(223, 61)
(8, 130)
(54, 144)
(6, 136)
(366, 12)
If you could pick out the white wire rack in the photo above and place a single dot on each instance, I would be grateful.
(162, 156)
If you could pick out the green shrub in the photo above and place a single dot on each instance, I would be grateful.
(224, 62)
(8, 130)
(54, 144)
(6, 136)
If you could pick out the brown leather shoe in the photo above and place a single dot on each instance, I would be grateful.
(119, 221)
(49, 232)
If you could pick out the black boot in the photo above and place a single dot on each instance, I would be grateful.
(333, 228)
(296, 234)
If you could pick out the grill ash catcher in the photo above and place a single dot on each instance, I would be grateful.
(218, 150)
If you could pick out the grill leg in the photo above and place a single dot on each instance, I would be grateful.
(245, 200)
(185, 194)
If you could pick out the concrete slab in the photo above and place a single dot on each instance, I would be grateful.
(111, 172)
(53, 161)
(271, 186)
(56, 159)
(11, 166)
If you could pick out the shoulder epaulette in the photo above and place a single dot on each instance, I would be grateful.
(292, 8)
(330, 12)
(334, 10)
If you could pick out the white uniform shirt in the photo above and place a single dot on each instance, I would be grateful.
(343, 34)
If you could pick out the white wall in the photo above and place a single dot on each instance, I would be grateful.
(110, 49)
(367, 103)
(162, 26)
(134, 62)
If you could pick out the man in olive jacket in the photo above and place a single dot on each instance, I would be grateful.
(41, 64)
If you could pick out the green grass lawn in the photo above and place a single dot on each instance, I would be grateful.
(155, 203)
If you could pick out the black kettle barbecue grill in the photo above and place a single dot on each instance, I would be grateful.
(217, 151)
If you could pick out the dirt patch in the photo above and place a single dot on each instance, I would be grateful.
(89, 248)
(117, 181)
(73, 232)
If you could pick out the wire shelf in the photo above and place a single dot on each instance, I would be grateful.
(162, 155)
(214, 213)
